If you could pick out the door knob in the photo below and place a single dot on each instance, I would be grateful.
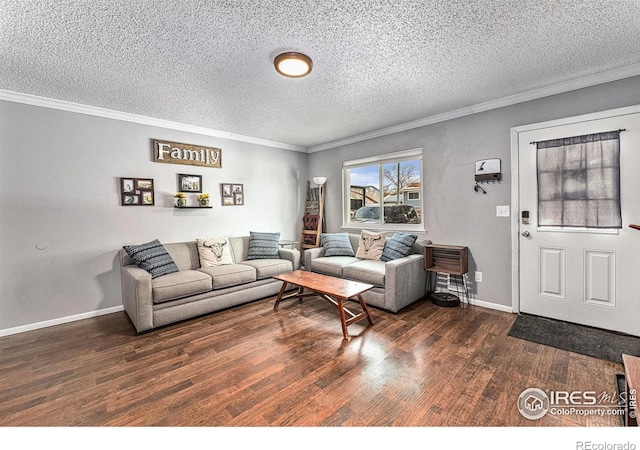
(526, 234)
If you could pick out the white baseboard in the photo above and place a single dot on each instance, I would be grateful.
(490, 305)
(61, 320)
(101, 312)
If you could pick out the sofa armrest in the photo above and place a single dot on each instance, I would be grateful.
(291, 254)
(405, 281)
(137, 297)
(310, 254)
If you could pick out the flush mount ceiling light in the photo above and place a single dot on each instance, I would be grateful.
(293, 65)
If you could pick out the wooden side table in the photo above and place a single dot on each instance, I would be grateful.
(632, 381)
(449, 259)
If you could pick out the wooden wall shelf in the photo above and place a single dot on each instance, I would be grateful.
(192, 207)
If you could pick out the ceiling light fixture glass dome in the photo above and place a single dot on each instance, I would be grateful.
(293, 64)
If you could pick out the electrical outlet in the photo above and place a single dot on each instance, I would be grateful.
(502, 211)
(478, 277)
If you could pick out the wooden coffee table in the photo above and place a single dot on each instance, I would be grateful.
(334, 290)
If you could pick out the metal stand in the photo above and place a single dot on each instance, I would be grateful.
(447, 299)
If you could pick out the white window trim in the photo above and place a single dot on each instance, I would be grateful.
(579, 230)
(381, 159)
(404, 155)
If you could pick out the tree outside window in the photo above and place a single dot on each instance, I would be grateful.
(385, 194)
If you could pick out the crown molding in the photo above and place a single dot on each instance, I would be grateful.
(559, 88)
(44, 102)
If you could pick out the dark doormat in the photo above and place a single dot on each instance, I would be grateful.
(601, 344)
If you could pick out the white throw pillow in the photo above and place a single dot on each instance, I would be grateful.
(215, 251)
(371, 245)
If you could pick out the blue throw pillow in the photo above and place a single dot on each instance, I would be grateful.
(336, 244)
(398, 246)
(152, 257)
(263, 245)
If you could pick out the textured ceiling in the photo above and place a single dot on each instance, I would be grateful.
(377, 64)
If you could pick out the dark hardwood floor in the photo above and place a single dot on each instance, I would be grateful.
(251, 366)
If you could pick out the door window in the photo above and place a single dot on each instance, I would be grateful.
(579, 181)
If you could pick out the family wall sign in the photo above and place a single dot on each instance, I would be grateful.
(192, 155)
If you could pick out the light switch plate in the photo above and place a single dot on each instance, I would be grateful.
(502, 211)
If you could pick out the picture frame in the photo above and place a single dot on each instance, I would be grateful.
(129, 199)
(232, 194)
(189, 183)
(144, 184)
(128, 185)
(147, 198)
(137, 191)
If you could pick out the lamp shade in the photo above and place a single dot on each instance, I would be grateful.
(319, 180)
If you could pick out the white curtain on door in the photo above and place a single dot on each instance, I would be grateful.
(579, 181)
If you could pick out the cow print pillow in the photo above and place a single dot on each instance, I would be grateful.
(371, 245)
(214, 251)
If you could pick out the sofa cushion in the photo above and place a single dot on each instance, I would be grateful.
(398, 246)
(266, 268)
(263, 245)
(214, 251)
(229, 275)
(336, 244)
(366, 271)
(370, 245)
(332, 265)
(180, 284)
(152, 257)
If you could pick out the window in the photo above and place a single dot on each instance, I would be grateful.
(579, 181)
(383, 192)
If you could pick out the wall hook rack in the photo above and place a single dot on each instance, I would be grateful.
(488, 170)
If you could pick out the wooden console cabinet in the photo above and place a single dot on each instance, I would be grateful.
(449, 259)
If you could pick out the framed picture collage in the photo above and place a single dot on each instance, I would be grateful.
(232, 194)
(137, 191)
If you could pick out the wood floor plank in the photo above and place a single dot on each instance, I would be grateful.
(252, 366)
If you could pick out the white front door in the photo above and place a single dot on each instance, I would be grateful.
(585, 276)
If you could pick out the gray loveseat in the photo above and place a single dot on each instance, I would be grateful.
(397, 283)
(195, 290)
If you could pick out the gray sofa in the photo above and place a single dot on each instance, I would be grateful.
(397, 283)
(196, 290)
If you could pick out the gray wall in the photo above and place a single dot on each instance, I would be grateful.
(59, 180)
(454, 213)
(59, 184)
